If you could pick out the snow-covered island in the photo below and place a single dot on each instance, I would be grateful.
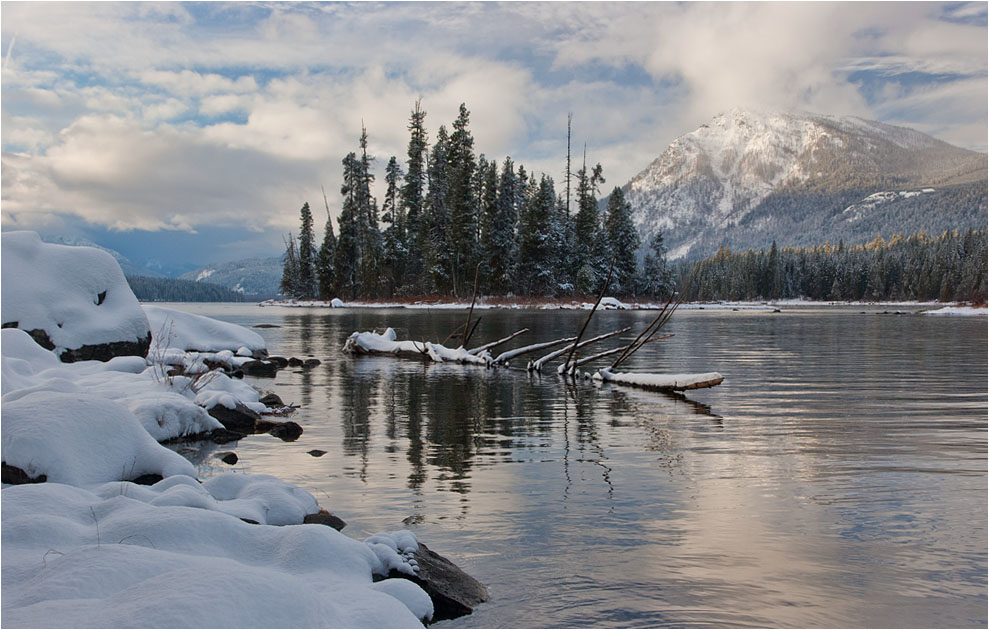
(102, 526)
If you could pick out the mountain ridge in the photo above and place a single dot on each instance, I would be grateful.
(745, 179)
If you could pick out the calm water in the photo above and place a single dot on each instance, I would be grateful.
(836, 478)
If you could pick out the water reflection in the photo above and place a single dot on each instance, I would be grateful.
(836, 478)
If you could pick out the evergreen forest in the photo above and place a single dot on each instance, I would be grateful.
(949, 268)
(450, 214)
(176, 290)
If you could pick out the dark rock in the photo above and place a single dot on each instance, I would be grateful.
(272, 400)
(106, 351)
(250, 521)
(260, 355)
(177, 370)
(9, 325)
(325, 518)
(295, 362)
(311, 363)
(454, 593)
(241, 418)
(227, 457)
(40, 336)
(147, 480)
(236, 374)
(14, 475)
(286, 431)
(316, 452)
(224, 436)
(264, 369)
(266, 326)
(263, 425)
(281, 362)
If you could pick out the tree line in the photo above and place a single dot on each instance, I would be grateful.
(951, 267)
(149, 289)
(449, 214)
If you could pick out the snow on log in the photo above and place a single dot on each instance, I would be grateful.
(493, 344)
(387, 343)
(508, 355)
(662, 382)
(538, 364)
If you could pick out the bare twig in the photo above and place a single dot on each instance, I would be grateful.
(538, 364)
(587, 321)
(511, 354)
(468, 331)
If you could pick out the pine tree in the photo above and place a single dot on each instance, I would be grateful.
(462, 203)
(324, 260)
(656, 276)
(370, 245)
(623, 241)
(536, 249)
(290, 269)
(394, 238)
(590, 256)
(434, 232)
(413, 196)
(307, 255)
(346, 259)
(499, 237)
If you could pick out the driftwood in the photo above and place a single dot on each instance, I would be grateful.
(538, 364)
(660, 382)
(606, 353)
(508, 355)
(494, 344)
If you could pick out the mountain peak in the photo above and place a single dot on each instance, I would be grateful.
(711, 180)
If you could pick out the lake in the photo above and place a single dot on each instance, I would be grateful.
(837, 478)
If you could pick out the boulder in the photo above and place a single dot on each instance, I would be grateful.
(325, 518)
(241, 418)
(272, 400)
(281, 362)
(286, 431)
(295, 362)
(227, 457)
(74, 301)
(16, 476)
(310, 363)
(454, 593)
(225, 436)
(264, 369)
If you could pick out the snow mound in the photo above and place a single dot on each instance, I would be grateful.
(74, 558)
(959, 311)
(176, 330)
(77, 295)
(81, 439)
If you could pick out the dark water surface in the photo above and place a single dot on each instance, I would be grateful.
(837, 478)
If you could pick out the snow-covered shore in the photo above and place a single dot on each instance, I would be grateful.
(84, 545)
(610, 303)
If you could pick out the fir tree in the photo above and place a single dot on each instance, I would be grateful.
(623, 241)
(536, 249)
(394, 254)
(413, 195)
(434, 232)
(656, 276)
(346, 258)
(290, 269)
(324, 260)
(461, 201)
(499, 237)
(307, 255)
(590, 252)
(370, 245)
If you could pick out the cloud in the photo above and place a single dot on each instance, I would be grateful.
(179, 116)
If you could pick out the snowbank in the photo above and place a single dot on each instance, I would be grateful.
(77, 295)
(959, 311)
(176, 330)
(122, 555)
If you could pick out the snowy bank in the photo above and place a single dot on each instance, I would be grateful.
(959, 311)
(73, 300)
(83, 546)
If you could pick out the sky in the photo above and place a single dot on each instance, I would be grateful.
(188, 133)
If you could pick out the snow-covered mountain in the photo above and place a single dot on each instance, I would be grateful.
(254, 277)
(747, 178)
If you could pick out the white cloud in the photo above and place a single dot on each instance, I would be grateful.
(273, 96)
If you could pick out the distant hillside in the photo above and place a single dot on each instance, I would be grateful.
(126, 265)
(149, 289)
(749, 178)
(254, 278)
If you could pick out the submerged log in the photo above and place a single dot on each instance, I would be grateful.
(660, 382)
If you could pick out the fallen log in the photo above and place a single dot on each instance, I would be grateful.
(508, 355)
(600, 355)
(387, 343)
(494, 344)
(538, 364)
(660, 382)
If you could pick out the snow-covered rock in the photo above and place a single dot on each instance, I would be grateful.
(75, 299)
(181, 331)
(122, 555)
